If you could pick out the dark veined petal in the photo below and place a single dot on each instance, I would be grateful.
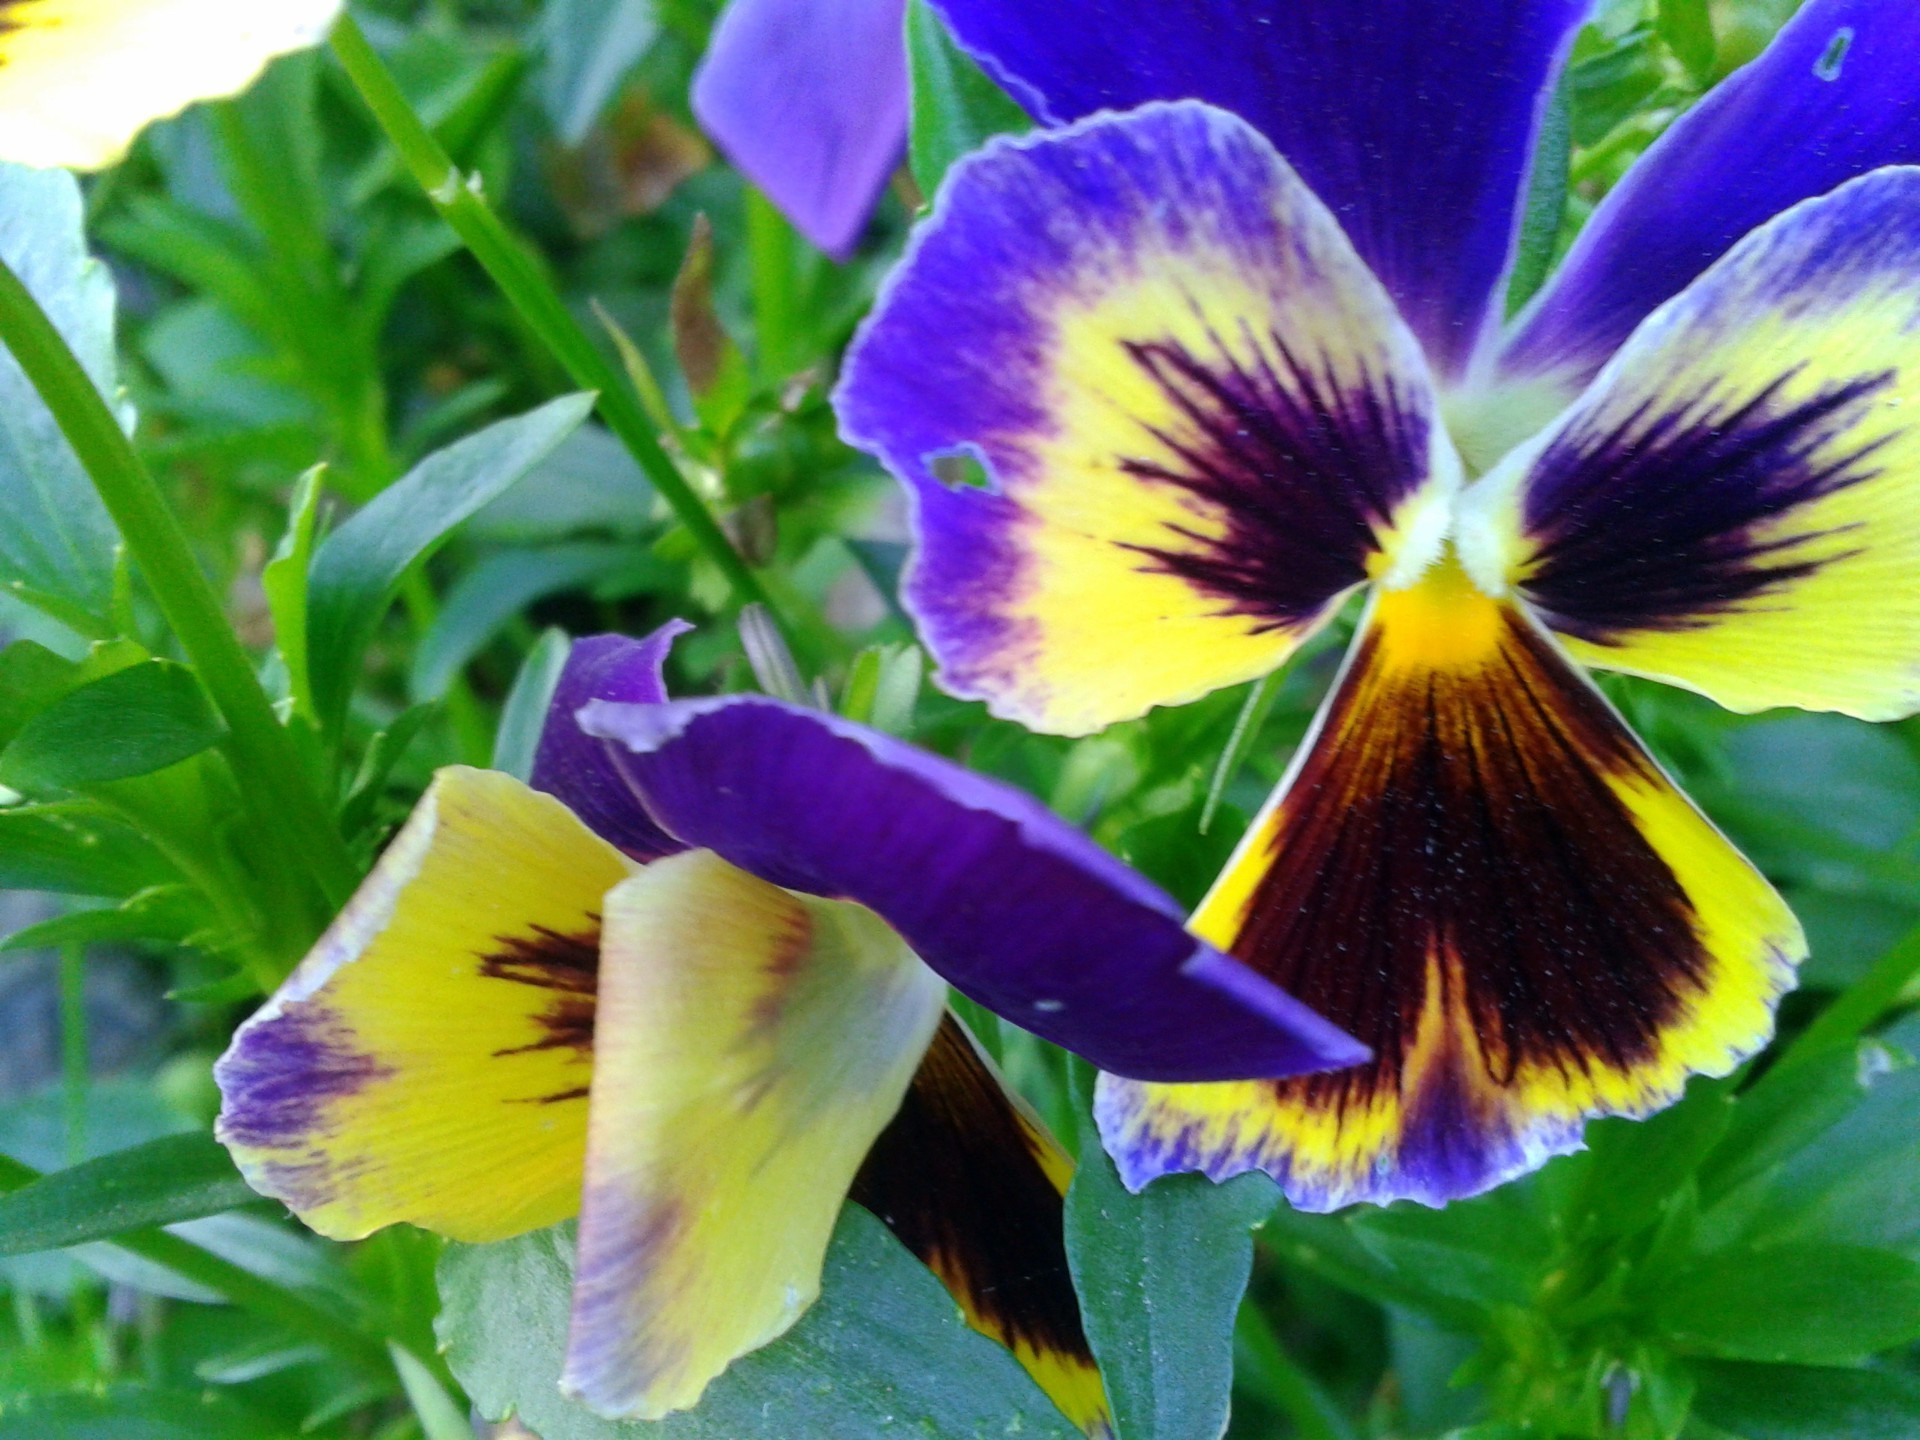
(1413, 120)
(80, 78)
(1832, 98)
(1734, 505)
(809, 99)
(429, 1061)
(970, 1181)
(574, 767)
(1009, 903)
(751, 1045)
(1476, 869)
(1200, 419)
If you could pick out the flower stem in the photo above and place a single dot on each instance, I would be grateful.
(153, 536)
(528, 290)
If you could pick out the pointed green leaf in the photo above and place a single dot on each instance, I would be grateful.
(163, 1182)
(132, 722)
(957, 107)
(1160, 1276)
(359, 566)
(55, 537)
(525, 712)
(1794, 1303)
(589, 46)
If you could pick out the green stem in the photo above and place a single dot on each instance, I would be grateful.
(527, 289)
(770, 247)
(159, 546)
(241, 1286)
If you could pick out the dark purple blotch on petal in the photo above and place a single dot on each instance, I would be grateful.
(282, 1073)
(1302, 468)
(1009, 903)
(1658, 523)
(574, 768)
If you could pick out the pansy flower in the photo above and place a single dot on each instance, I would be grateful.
(692, 985)
(808, 98)
(1217, 362)
(80, 78)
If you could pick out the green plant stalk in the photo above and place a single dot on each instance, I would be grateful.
(527, 289)
(770, 247)
(159, 546)
(241, 1286)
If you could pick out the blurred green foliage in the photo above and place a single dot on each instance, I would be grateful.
(1745, 1265)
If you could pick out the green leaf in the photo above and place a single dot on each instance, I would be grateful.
(284, 579)
(75, 850)
(589, 46)
(32, 677)
(1798, 1303)
(525, 713)
(163, 1182)
(1687, 27)
(134, 1412)
(956, 106)
(1160, 1276)
(55, 537)
(1634, 1165)
(1546, 206)
(132, 722)
(1791, 1402)
(359, 566)
(882, 1355)
(484, 599)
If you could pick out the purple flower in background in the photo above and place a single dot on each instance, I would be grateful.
(703, 961)
(1229, 346)
(808, 98)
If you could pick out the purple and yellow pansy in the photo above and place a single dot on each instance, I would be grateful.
(691, 984)
(1226, 347)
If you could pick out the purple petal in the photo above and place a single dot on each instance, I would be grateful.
(1413, 120)
(1010, 904)
(1202, 418)
(809, 99)
(575, 769)
(1834, 96)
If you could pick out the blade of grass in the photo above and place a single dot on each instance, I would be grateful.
(527, 289)
(264, 752)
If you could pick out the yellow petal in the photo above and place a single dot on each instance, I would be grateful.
(429, 1061)
(80, 78)
(751, 1045)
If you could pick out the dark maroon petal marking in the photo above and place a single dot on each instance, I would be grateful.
(567, 965)
(957, 1177)
(1655, 523)
(1304, 470)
